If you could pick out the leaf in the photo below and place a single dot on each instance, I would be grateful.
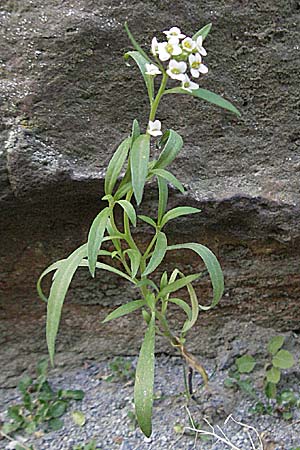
(115, 166)
(55, 424)
(72, 394)
(42, 367)
(275, 343)
(58, 409)
(24, 384)
(144, 380)
(99, 265)
(95, 238)
(178, 284)
(124, 309)
(158, 253)
(172, 142)
(162, 198)
(212, 265)
(178, 212)
(135, 131)
(203, 32)
(209, 96)
(141, 62)
(148, 220)
(164, 280)
(245, 364)
(139, 157)
(129, 209)
(169, 177)
(135, 259)
(195, 309)
(283, 360)
(271, 390)
(49, 269)
(78, 418)
(136, 45)
(147, 282)
(183, 305)
(273, 375)
(57, 295)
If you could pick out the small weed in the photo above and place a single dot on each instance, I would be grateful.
(121, 370)
(281, 402)
(41, 406)
(89, 446)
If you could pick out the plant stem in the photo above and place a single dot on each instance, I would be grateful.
(160, 93)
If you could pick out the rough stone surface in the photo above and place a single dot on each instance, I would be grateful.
(67, 101)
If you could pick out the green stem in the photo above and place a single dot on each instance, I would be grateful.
(127, 230)
(160, 93)
(118, 246)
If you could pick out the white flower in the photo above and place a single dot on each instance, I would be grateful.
(199, 46)
(168, 49)
(188, 44)
(154, 128)
(152, 69)
(189, 85)
(174, 32)
(177, 70)
(154, 46)
(196, 65)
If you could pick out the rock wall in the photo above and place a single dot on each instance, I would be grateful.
(67, 99)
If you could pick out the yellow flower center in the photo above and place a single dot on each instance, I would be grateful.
(169, 48)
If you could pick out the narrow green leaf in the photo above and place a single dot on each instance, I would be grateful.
(135, 259)
(164, 280)
(195, 309)
(275, 343)
(49, 269)
(113, 236)
(144, 381)
(107, 267)
(57, 295)
(203, 32)
(95, 238)
(245, 364)
(212, 265)
(208, 96)
(129, 209)
(172, 142)
(115, 166)
(135, 44)
(141, 62)
(139, 157)
(158, 253)
(169, 177)
(72, 394)
(162, 198)
(178, 284)
(147, 282)
(178, 212)
(135, 130)
(183, 305)
(283, 360)
(148, 220)
(271, 390)
(124, 309)
(273, 375)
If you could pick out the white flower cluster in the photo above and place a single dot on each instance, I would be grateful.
(178, 50)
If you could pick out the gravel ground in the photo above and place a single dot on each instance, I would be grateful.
(107, 403)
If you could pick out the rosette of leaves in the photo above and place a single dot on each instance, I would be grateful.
(126, 260)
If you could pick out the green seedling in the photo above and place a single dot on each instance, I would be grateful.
(41, 407)
(121, 370)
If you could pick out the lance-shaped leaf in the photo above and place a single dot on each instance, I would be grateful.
(148, 220)
(178, 284)
(162, 198)
(141, 62)
(49, 269)
(129, 209)
(169, 177)
(139, 157)
(158, 253)
(99, 265)
(195, 309)
(172, 143)
(209, 96)
(58, 291)
(177, 212)
(213, 268)
(135, 130)
(115, 166)
(124, 309)
(203, 32)
(135, 259)
(144, 380)
(95, 238)
(183, 305)
(135, 44)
